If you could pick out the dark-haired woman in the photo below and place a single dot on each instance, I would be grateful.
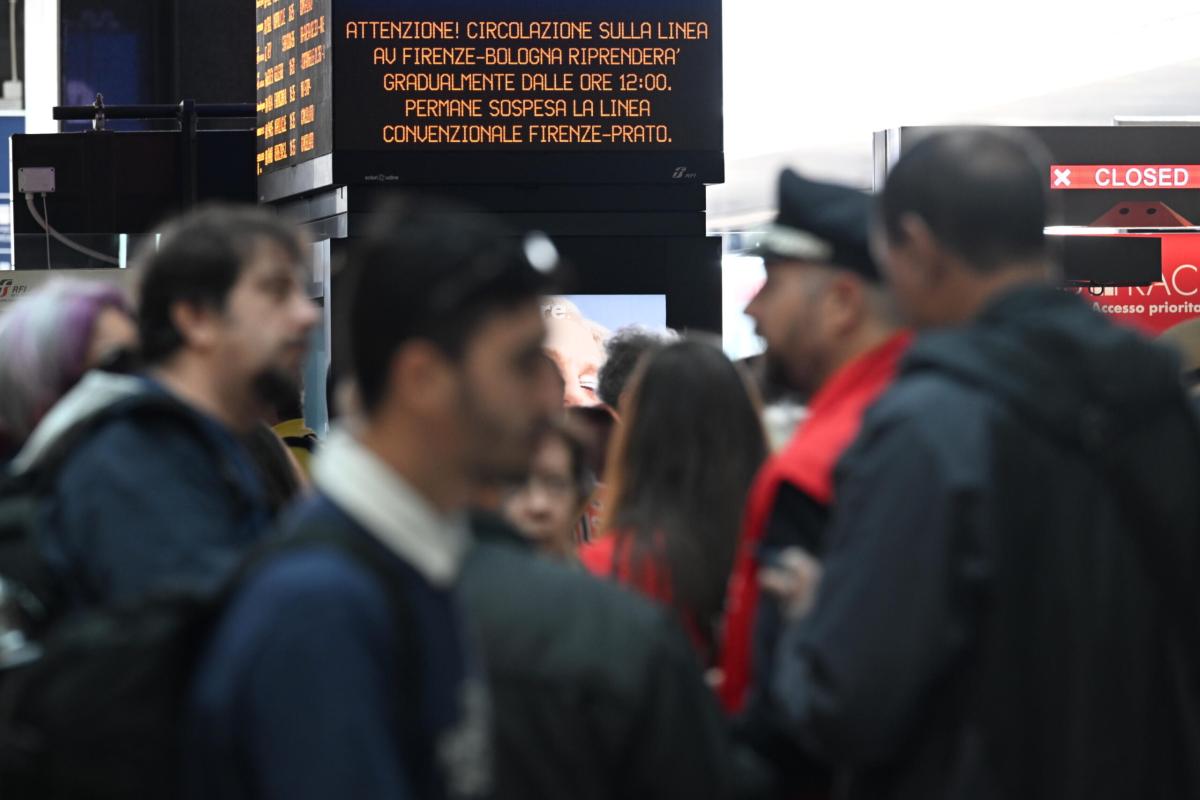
(685, 456)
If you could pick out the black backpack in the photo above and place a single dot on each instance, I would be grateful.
(99, 715)
(91, 707)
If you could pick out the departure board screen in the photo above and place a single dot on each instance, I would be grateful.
(295, 105)
(579, 75)
(407, 77)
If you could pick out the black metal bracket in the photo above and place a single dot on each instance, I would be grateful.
(187, 113)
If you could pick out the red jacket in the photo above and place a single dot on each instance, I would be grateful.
(611, 558)
(807, 462)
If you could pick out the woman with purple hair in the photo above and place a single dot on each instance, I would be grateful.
(48, 340)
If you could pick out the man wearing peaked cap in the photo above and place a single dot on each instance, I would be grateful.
(823, 303)
(831, 334)
(821, 223)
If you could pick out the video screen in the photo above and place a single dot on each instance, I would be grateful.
(528, 75)
(294, 80)
(578, 326)
(1117, 176)
(397, 77)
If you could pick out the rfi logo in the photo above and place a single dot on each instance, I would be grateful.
(8, 289)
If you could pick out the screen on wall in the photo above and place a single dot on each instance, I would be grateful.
(578, 327)
(1124, 177)
(1126, 201)
(535, 76)
(295, 112)
(529, 76)
(1116, 176)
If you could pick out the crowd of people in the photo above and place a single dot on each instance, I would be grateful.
(971, 573)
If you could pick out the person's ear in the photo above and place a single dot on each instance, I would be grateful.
(198, 325)
(924, 252)
(846, 299)
(421, 379)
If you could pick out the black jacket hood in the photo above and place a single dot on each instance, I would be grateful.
(1058, 362)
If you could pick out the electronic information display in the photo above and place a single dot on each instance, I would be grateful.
(1116, 176)
(1124, 177)
(295, 111)
(528, 76)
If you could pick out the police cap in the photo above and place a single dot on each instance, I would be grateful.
(820, 222)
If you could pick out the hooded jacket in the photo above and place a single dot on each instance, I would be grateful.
(1008, 608)
(143, 491)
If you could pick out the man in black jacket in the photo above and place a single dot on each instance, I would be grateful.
(595, 692)
(1008, 608)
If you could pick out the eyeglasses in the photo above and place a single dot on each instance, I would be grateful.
(552, 485)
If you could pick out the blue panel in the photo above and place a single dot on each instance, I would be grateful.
(8, 126)
(105, 62)
(108, 47)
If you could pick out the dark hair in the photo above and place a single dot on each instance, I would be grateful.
(274, 464)
(595, 424)
(622, 352)
(982, 192)
(434, 271)
(566, 431)
(198, 260)
(681, 468)
(332, 376)
(286, 402)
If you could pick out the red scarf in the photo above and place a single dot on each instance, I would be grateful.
(807, 462)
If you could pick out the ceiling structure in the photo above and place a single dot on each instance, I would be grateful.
(807, 86)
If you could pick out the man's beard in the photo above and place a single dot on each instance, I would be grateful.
(489, 437)
(276, 388)
(780, 382)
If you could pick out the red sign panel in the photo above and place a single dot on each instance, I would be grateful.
(1155, 308)
(1125, 176)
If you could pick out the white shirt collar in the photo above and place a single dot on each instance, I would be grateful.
(385, 504)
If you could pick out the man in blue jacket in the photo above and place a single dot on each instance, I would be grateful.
(157, 491)
(341, 668)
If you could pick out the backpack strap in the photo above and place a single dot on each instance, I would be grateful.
(149, 403)
(22, 565)
(22, 495)
(56, 455)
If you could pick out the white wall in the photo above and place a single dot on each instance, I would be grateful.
(800, 72)
(41, 65)
(807, 83)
